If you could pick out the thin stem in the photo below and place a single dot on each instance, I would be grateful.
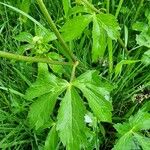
(73, 71)
(55, 30)
(31, 59)
(118, 8)
(110, 51)
(90, 6)
(107, 6)
(138, 10)
(123, 45)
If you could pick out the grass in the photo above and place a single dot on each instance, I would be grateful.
(16, 77)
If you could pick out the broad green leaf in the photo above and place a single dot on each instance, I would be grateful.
(128, 137)
(70, 125)
(41, 109)
(66, 6)
(144, 142)
(73, 28)
(24, 37)
(99, 40)
(97, 95)
(143, 39)
(118, 67)
(46, 89)
(51, 140)
(125, 143)
(141, 121)
(109, 23)
(146, 58)
(45, 83)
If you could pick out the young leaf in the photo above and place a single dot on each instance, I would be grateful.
(109, 23)
(73, 28)
(70, 123)
(51, 140)
(96, 94)
(24, 37)
(99, 40)
(46, 34)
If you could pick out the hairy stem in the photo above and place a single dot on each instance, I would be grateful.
(90, 6)
(31, 59)
(73, 71)
(55, 30)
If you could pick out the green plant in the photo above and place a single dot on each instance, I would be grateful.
(83, 83)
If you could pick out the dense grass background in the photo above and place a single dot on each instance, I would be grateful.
(16, 77)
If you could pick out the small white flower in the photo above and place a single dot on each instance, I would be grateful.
(87, 119)
(107, 97)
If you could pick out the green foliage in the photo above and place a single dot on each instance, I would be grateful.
(129, 133)
(109, 23)
(73, 28)
(99, 40)
(97, 96)
(99, 76)
(52, 139)
(46, 89)
(70, 123)
(146, 58)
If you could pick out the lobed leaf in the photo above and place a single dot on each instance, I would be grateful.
(70, 123)
(73, 28)
(128, 136)
(99, 40)
(46, 89)
(97, 96)
(45, 83)
(52, 139)
(109, 23)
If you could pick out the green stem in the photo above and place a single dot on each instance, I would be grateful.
(90, 6)
(110, 51)
(138, 10)
(107, 6)
(55, 30)
(123, 45)
(110, 47)
(118, 8)
(73, 71)
(31, 59)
